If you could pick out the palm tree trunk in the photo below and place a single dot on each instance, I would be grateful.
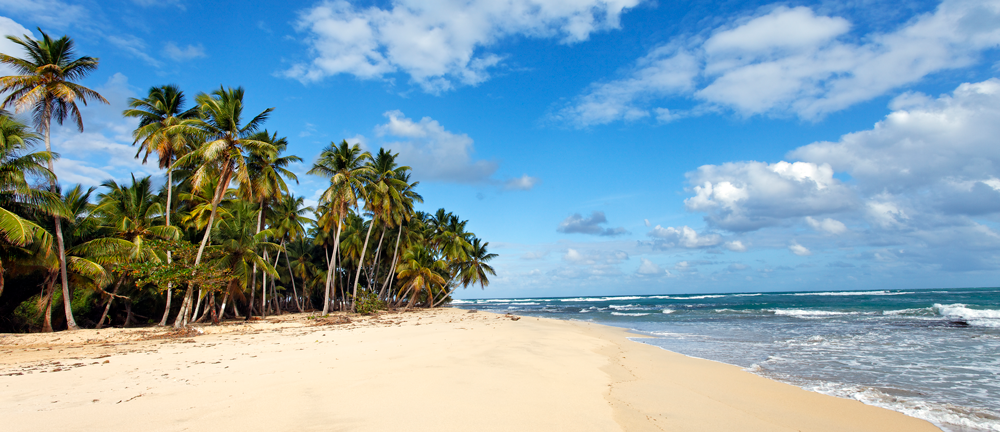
(392, 268)
(170, 195)
(330, 277)
(67, 297)
(373, 274)
(263, 291)
(298, 305)
(197, 306)
(274, 289)
(361, 262)
(45, 302)
(107, 306)
(183, 316)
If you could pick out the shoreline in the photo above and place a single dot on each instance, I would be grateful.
(442, 369)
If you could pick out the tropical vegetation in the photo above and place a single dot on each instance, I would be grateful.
(220, 235)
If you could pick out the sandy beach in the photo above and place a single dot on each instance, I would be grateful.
(429, 370)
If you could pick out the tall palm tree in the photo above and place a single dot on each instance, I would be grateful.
(383, 194)
(474, 270)
(17, 165)
(268, 184)
(289, 224)
(344, 165)
(221, 156)
(45, 87)
(159, 115)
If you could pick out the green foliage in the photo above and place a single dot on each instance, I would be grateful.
(369, 303)
(180, 273)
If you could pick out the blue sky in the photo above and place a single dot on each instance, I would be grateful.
(608, 147)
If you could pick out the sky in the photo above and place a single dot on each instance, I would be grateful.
(606, 147)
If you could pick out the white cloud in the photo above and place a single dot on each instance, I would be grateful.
(134, 46)
(792, 61)
(647, 267)
(438, 44)
(525, 182)
(49, 13)
(646, 222)
(433, 152)
(829, 226)
(684, 236)
(104, 150)
(576, 223)
(745, 196)
(736, 246)
(799, 250)
(189, 52)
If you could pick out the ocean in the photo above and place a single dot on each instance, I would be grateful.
(931, 354)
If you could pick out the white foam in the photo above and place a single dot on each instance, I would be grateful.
(977, 317)
(624, 307)
(747, 295)
(669, 311)
(595, 299)
(914, 311)
(804, 313)
(629, 314)
(851, 293)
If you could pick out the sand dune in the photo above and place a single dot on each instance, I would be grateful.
(437, 370)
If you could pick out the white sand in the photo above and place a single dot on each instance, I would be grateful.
(439, 370)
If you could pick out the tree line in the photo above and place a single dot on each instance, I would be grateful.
(223, 237)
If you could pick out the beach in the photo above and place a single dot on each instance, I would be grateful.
(440, 369)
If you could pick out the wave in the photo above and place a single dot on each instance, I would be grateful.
(727, 310)
(747, 295)
(851, 293)
(596, 299)
(624, 307)
(808, 314)
(669, 311)
(976, 317)
(629, 314)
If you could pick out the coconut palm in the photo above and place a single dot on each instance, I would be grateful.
(268, 184)
(421, 272)
(221, 156)
(475, 269)
(44, 85)
(159, 114)
(17, 166)
(240, 247)
(288, 224)
(344, 165)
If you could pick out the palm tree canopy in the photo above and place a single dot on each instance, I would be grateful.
(159, 114)
(44, 83)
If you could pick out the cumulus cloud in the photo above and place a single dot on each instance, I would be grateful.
(576, 223)
(104, 150)
(433, 152)
(799, 250)
(828, 225)
(591, 263)
(684, 236)
(186, 53)
(791, 61)
(442, 44)
(736, 246)
(525, 182)
(745, 196)
(647, 268)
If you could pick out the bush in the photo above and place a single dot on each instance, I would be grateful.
(369, 303)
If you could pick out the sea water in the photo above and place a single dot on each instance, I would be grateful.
(931, 354)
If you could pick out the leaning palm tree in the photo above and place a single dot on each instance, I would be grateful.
(344, 165)
(221, 156)
(159, 115)
(420, 271)
(288, 224)
(474, 270)
(44, 85)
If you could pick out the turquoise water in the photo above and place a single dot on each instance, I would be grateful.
(932, 354)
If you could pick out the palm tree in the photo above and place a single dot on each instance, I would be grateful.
(133, 215)
(159, 115)
(239, 248)
(383, 194)
(345, 166)
(222, 155)
(288, 224)
(45, 86)
(420, 271)
(475, 269)
(268, 183)
(16, 166)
